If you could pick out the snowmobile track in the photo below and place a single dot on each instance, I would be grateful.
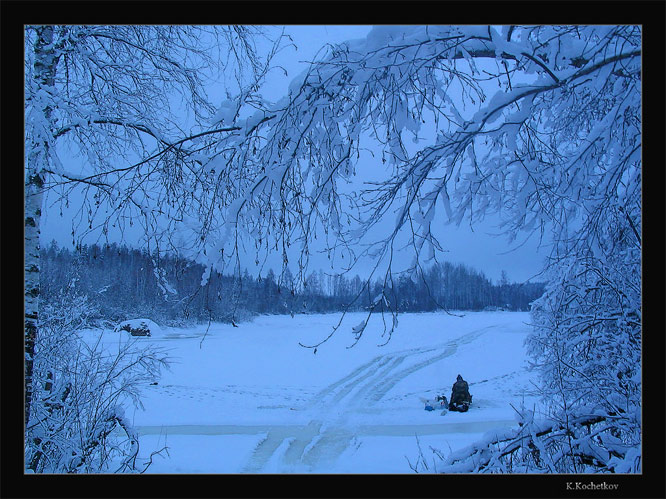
(365, 386)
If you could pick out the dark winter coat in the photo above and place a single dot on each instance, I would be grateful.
(460, 394)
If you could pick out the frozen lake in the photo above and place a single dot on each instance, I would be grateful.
(250, 399)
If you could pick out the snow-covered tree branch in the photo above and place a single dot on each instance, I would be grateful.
(127, 106)
(378, 144)
(538, 125)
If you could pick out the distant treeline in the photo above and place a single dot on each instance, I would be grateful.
(122, 282)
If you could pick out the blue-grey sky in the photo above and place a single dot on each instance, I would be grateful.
(475, 247)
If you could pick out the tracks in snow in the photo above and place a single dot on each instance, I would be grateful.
(369, 383)
(312, 447)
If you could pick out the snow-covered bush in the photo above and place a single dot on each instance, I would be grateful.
(81, 389)
(138, 327)
(587, 347)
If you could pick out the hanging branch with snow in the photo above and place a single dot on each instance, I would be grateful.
(127, 105)
(550, 149)
(538, 125)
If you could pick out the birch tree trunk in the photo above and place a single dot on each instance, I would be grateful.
(45, 64)
(108, 94)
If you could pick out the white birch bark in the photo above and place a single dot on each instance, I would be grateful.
(45, 64)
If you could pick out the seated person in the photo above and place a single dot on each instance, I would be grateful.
(460, 396)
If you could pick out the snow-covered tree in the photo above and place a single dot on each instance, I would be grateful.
(537, 125)
(108, 111)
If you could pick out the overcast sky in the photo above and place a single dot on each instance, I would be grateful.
(477, 248)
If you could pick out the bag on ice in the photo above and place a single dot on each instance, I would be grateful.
(439, 402)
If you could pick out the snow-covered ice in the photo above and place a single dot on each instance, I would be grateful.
(250, 399)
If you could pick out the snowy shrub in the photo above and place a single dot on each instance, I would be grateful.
(138, 327)
(81, 389)
(587, 346)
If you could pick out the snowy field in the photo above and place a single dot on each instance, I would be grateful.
(251, 400)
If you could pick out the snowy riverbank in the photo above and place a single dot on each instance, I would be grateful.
(252, 400)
